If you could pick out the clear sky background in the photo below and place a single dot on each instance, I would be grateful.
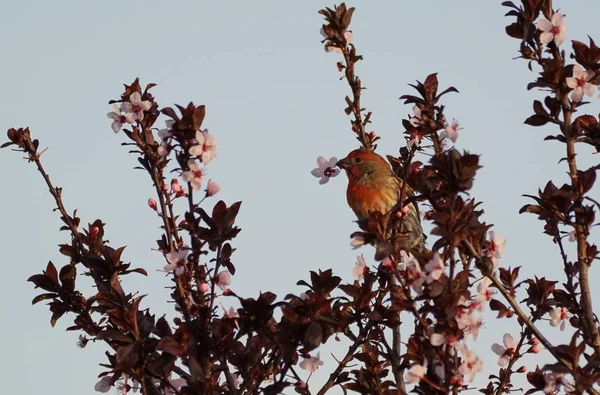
(275, 103)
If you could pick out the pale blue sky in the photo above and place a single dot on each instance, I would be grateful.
(275, 103)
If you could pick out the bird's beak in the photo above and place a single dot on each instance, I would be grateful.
(343, 163)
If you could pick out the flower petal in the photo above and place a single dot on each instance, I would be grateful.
(571, 82)
(557, 19)
(116, 126)
(546, 37)
(589, 89)
(498, 349)
(577, 95)
(508, 340)
(322, 162)
(544, 25)
(126, 106)
(135, 98)
(560, 38)
(145, 105)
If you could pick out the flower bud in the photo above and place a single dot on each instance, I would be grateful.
(175, 187)
(152, 204)
(212, 188)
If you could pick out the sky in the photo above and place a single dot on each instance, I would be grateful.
(275, 102)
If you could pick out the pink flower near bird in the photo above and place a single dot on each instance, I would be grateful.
(325, 169)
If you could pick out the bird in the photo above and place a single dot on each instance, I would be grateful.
(372, 187)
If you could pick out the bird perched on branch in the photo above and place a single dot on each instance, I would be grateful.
(373, 186)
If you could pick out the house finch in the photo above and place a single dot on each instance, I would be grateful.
(373, 186)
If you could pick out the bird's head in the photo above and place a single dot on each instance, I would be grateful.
(361, 164)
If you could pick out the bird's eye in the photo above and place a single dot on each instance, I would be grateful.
(357, 160)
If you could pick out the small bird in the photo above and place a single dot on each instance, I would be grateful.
(373, 186)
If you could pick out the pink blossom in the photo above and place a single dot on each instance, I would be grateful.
(212, 188)
(118, 118)
(407, 260)
(152, 204)
(439, 339)
(311, 364)
(325, 169)
(579, 83)
(572, 236)
(484, 293)
(464, 313)
(123, 387)
(553, 30)
(206, 149)
(359, 270)
(416, 119)
(416, 373)
(535, 346)
(471, 364)
(204, 287)
(163, 149)
(177, 261)
(451, 131)
(194, 175)
(135, 107)
(495, 248)
(175, 187)
(415, 139)
(554, 381)
(418, 277)
(505, 353)
(559, 316)
(473, 326)
(103, 385)
(434, 268)
(223, 280)
(349, 37)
